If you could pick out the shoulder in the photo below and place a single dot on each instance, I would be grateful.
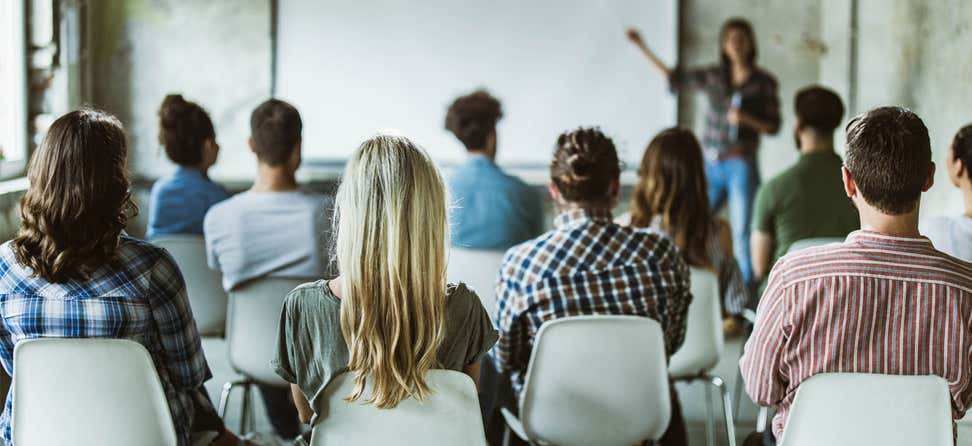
(460, 299)
(139, 256)
(130, 246)
(307, 296)
(765, 77)
(225, 208)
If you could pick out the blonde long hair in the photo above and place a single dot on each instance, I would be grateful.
(392, 236)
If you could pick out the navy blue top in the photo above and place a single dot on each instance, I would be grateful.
(179, 202)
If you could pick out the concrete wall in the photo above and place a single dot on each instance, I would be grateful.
(214, 52)
(910, 52)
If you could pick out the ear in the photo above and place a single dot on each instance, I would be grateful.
(931, 178)
(850, 188)
(554, 192)
(249, 142)
(615, 188)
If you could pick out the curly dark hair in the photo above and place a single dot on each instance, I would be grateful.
(183, 129)
(472, 117)
(79, 198)
(584, 165)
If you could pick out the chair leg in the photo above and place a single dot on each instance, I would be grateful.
(225, 395)
(709, 419)
(726, 408)
(737, 393)
(245, 410)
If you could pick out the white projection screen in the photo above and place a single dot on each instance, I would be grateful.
(357, 67)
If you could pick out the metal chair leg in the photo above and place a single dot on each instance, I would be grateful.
(726, 408)
(225, 395)
(245, 410)
(709, 419)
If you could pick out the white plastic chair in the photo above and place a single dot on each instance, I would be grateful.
(702, 349)
(886, 409)
(450, 415)
(478, 269)
(594, 380)
(251, 334)
(102, 392)
(203, 285)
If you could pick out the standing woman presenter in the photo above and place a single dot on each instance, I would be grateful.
(743, 104)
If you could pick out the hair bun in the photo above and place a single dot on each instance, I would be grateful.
(580, 166)
(172, 106)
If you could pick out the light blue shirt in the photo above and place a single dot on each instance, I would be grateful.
(179, 202)
(276, 234)
(492, 210)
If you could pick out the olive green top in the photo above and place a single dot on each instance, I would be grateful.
(311, 349)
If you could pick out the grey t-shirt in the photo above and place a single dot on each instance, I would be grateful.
(311, 349)
(257, 234)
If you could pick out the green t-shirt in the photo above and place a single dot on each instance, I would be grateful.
(311, 350)
(805, 201)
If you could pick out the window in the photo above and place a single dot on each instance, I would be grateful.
(13, 89)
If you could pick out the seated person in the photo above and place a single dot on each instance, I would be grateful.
(273, 229)
(885, 269)
(179, 202)
(71, 271)
(392, 203)
(494, 210)
(647, 278)
(952, 234)
(671, 196)
(806, 200)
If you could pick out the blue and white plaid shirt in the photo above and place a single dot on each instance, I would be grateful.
(587, 265)
(141, 296)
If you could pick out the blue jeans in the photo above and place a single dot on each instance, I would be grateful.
(735, 179)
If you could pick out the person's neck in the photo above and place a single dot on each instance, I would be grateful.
(484, 153)
(274, 179)
(966, 189)
(740, 72)
(901, 225)
(814, 144)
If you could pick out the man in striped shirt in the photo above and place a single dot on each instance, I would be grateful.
(885, 300)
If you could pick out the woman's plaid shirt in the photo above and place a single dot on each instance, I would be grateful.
(141, 297)
(587, 265)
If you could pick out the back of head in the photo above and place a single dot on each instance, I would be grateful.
(889, 157)
(962, 147)
(472, 117)
(584, 167)
(184, 127)
(672, 187)
(78, 201)
(392, 236)
(818, 108)
(275, 127)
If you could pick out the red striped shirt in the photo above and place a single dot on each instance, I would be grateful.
(873, 304)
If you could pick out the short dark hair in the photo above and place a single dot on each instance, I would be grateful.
(183, 129)
(818, 108)
(889, 156)
(472, 117)
(275, 127)
(585, 162)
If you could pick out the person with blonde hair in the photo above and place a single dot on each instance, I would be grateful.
(389, 316)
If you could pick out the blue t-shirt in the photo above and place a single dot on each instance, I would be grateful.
(492, 210)
(179, 202)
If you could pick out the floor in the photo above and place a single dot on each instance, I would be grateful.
(691, 394)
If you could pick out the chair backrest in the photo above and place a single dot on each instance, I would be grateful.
(596, 380)
(450, 415)
(478, 269)
(811, 242)
(704, 340)
(88, 392)
(852, 409)
(203, 285)
(251, 328)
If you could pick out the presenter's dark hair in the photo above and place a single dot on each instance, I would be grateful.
(585, 164)
(740, 24)
(818, 108)
(184, 127)
(275, 127)
(962, 147)
(472, 117)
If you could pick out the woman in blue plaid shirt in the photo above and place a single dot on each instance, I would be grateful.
(71, 272)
